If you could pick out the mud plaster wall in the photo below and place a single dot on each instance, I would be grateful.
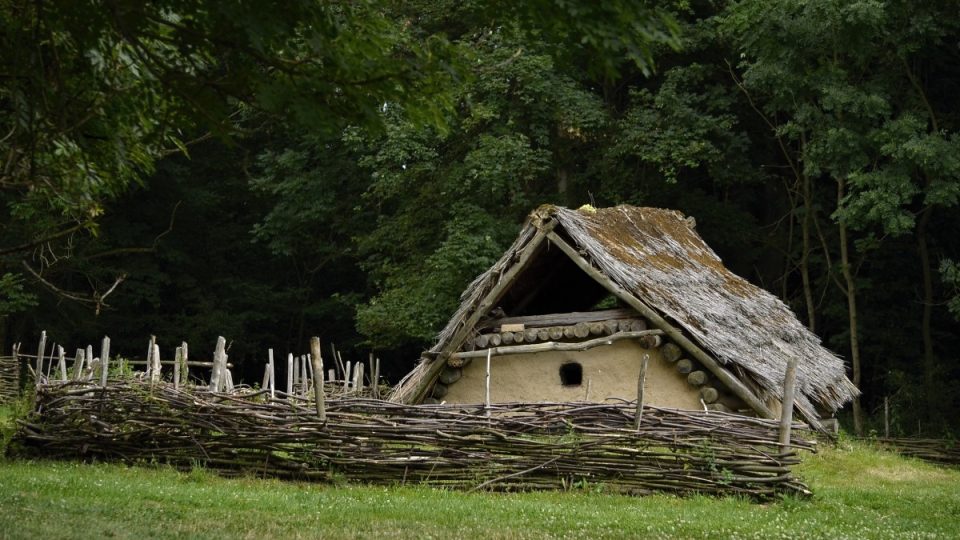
(611, 369)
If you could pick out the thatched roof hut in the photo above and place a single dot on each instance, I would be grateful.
(652, 260)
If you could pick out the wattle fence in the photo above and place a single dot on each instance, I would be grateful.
(328, 424)
(508, 447)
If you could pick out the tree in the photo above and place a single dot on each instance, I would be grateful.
(95, 92)
(849, 107)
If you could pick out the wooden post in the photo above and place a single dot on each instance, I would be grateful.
(90, 360)
(643, 375)
(376, 379)
(486, 394)
(337, 360)
(289, 375)
(273, 374)
(63, 366)
(41, 351)
(308, 374)
(358, 378)
(308, 363)
(304, 383)
(78, 364)
(177, 358)
(49, 362)
(219, 365)
(155, 373)
(347, 374)
(266, 376)
(153, 340)
(886, 416)
(185, 368)
(104, 360)
(296, 372)
(368, 370)
(317, 362)
(786, 408)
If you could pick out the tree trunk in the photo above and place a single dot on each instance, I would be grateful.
(929, 360)
(851, 291)
(562, 181)
(805, 256)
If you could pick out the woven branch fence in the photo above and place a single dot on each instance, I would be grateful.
(510, 447)
(939, 451)
(9, 379)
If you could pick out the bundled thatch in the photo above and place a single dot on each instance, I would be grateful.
(656, 256)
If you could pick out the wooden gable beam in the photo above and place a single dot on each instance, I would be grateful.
(734, 384)
(485, 305)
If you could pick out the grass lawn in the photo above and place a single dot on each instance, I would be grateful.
(859, 493)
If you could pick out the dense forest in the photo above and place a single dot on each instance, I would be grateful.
(272, 170)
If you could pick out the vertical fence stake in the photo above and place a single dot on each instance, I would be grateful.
(296, 372)
(368, 370)
(104, 360)
(640, 380)
(78, 364)
(155, 372)
(304, 382)
(786, 407)
(486, 392)
(41, 351)
(338, 360)
(63, 366)
(376, 379)
(219, 367)
(289, 375)
(177, 358)
(358, 377)
(273, 373)
(90, 359)
(185, 368)
(153, 340)
(308, 362)
(49, 361)
(317, 362)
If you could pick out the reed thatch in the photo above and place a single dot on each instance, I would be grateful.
(657, 256)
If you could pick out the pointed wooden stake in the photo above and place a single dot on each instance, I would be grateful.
(317, 362)
(104, 360)
(786, 408)
(640, 380)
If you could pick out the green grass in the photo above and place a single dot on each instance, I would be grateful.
(859, 493)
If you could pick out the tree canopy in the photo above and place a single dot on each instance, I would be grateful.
(277, 170)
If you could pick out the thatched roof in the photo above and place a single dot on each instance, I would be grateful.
(656, 255)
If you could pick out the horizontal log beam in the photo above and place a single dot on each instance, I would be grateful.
(563, 319)
(557, 346)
